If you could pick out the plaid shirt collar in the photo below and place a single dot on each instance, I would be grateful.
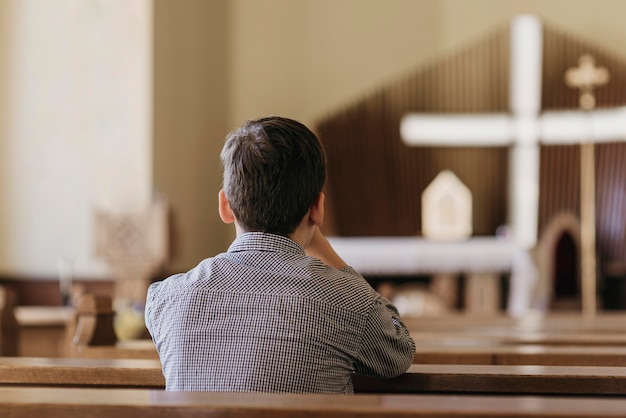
(262, 241)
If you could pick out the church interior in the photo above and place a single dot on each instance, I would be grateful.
(112, 116)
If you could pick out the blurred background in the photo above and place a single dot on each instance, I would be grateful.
(113, 104)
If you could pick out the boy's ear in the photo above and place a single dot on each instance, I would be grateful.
(317, 211)
(225, 211)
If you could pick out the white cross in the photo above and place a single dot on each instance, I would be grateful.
(523, 128)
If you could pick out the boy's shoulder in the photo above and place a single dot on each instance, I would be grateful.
(181, 281)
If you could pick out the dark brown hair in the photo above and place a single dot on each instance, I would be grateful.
(274, 169)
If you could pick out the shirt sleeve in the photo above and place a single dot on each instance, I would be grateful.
(149, 311)
(387, 349)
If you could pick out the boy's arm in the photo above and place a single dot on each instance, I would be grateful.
(387, 349)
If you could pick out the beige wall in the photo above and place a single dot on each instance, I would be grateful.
(78, 127)
(595, 20)
(306, 58)
(5, 30)
(191, 103)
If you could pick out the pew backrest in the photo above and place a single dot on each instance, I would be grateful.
(550, 380)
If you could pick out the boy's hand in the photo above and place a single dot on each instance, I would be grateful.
(320, 248)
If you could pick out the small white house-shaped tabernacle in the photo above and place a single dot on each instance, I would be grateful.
(447, 208)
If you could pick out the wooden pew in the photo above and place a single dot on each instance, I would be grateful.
(43, 330)
(83, 372)
(94, 335)
(485, 354)
(563, 339)
(139, 403)
(509, 338)
(604, 330)
(549, 380)
(603, 322)
(85, 330)
(9, 328)
(476, 379)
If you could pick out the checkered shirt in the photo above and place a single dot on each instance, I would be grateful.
(264, 317)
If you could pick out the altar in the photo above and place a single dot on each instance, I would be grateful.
(482, 260)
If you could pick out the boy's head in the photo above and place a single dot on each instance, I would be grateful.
(274, 170)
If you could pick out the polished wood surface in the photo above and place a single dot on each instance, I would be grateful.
(34, 371)
(477, 379)
(96, 403)
(505, 337)
(484, 354)
(570, 329)
(420, 378)
(603, 322)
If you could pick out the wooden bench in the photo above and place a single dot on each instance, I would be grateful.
(549, 380)
(484, 354)
(509, 338)
(43, 330)
(604, 330)
(476, 379)
(603, 322)
(564, 339)
(85, 372)
(9, 328)
(94, 335)
(85, 330)
(139, 403)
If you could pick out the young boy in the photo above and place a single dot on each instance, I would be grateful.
(280, 311)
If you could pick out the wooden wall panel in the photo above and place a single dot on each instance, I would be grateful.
(376, 181)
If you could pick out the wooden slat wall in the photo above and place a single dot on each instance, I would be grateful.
(375, 181)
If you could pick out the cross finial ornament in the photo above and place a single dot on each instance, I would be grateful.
(586, 77)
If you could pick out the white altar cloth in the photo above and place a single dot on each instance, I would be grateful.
(405, 256)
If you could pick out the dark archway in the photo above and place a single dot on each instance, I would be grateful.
(566, 282)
